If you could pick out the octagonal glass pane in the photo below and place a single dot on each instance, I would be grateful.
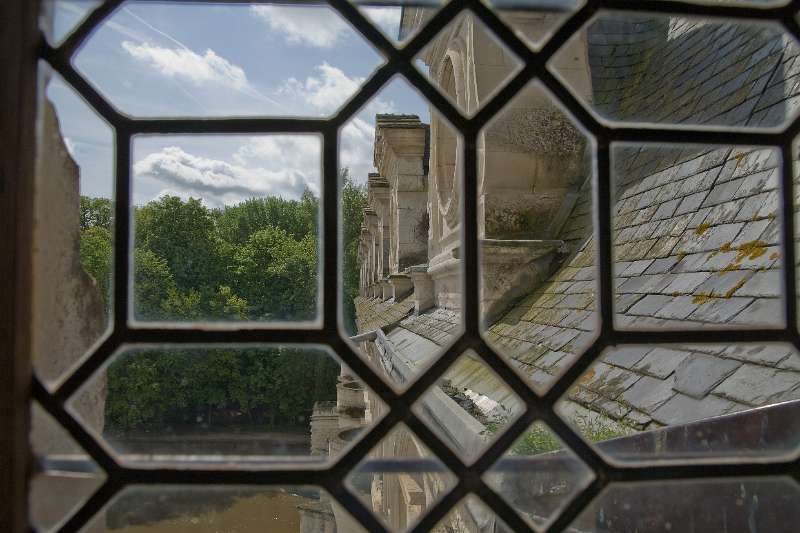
(701, 71)
(218, 508)
(680, 402)
(182, 59)
(402, 269)
(72, 230)
(537, 236)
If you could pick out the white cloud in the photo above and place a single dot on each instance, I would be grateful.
(355, 148)
(186, 64)
(311, 26)
(328, 90)
(386, 18)
(284, 166)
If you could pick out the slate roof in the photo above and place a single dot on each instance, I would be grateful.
(696, 237)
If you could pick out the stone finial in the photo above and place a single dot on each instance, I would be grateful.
(423, 288)
(402, 285)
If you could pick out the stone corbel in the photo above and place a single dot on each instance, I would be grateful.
(402, 285)
(423, 288)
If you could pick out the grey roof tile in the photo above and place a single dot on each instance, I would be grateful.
(762, 284)
(679, 308)
(723, 284)
(769, 354)
(761, 312)
(661, 362)
(661, 266)
(625, 357)
(650, 305)
(648, 393)
(687, 283)
(681, 409)
(719, 310)
(697, 375)
(756, 385)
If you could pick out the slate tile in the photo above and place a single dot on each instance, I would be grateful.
(751, 232)
(649, 393)
(762, 312)
(724, 284)
(661, 266)
(650, 305)
(767, 354)
(697, 375)
(625, 357)
(719, 310)
(762, 284)
(757, 385)
(711, 239)
(679, 308)
(682, 409)
(690, 203)
(661, 362)
(686, 283)
(723, 192)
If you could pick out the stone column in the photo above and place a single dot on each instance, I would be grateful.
(378, 198)
(401, 143)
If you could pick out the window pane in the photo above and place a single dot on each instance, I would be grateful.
(226, 228)
(212, 509)
(73, 230)
(697, 236)
(226, 405)
(181, 59)
(401, 221)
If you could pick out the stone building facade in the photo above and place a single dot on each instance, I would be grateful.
(695, 234)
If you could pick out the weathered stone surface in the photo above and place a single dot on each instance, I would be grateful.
(649, 393)
(699, 374)
(681, 409)
(755, 385)
(661, 362)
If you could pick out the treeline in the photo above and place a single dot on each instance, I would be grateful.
(256, 260)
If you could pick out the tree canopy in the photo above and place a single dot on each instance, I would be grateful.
(257, 260)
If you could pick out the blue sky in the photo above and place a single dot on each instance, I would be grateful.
(214, 60)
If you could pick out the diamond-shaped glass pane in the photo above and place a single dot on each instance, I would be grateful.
(400, 479)
(678, 402)
(471, 514)
(73, 230)
(184, 59)
(400, 180)
(699, 71)
(538, 476)
(399, 20)
(226, 228)
(534, 21)
(219, 508)
(469, 406)
(754, 504)
(68, 476)
(696, 236)
(202, 405)
(537, 246)
(58, 18)
(467, 63)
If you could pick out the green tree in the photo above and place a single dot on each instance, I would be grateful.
(354, 200)
(183, 234)
(96, 252)
(95, 213)
(277, 275)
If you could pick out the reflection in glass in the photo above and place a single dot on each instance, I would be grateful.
(400, 479)
(537, 476)
(239, 405)
(469, 406)
(215, 509)
(745, 504)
